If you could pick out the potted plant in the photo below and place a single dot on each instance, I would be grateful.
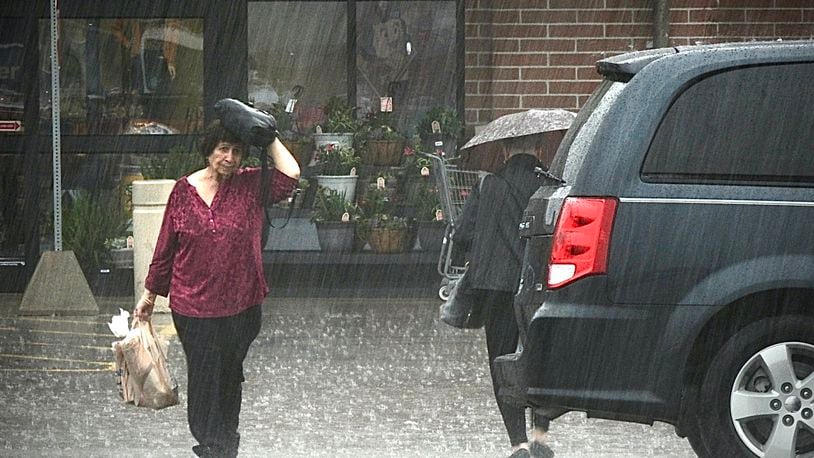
(337, 169)
(386, 231)
(340, 126)
(389, 233)
(383, 144)
(426, 202)
(449, 129)
(335, 219)
(90, 221)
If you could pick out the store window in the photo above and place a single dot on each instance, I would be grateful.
(405, 58)
(11, 75)
(297, 50)
(126, 76)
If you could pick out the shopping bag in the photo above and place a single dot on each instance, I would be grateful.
(464, 307)
(143, 373)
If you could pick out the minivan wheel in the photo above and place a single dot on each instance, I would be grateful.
(757, 396)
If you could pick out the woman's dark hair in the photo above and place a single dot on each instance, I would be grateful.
(216, 133)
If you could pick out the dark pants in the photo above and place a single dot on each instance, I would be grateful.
(215, 349)
(501, 339)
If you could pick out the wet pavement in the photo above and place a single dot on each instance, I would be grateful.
(341, 377)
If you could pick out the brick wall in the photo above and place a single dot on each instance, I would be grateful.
(523, 54)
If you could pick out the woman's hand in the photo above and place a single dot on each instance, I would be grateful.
(144, 307)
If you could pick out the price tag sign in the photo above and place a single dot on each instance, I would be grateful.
(386, 104)
(289, 107)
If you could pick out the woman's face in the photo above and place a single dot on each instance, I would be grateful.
(225, 158)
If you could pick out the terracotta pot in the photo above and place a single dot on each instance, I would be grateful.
(388, 240)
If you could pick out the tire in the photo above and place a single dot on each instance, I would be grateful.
(765, 375)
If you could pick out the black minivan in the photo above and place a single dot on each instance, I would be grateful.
(670, 277)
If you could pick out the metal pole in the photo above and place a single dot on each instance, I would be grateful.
(55, 132)
(661, 24)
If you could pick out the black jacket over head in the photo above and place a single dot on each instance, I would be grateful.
(488, 228)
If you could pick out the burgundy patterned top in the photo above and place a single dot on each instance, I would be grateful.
(208, 259)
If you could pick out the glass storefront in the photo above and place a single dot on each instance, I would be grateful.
(125, 76)
(137, 88)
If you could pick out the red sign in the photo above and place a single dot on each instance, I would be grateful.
(11, 126)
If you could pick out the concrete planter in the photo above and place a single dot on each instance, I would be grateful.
(149, 200)
(336, 236)
(431, 235)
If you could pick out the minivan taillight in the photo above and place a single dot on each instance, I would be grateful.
(581, 239)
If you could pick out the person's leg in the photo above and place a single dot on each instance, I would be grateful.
(541, 420)
(198, 337)
(242, 330)
(501, 338)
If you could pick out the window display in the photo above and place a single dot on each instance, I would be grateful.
(126, 75)
(11, 75)
(405, 58)
(297, 57)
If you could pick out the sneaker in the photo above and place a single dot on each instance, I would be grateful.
(540, 450)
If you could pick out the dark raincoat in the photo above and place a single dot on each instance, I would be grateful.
(488, 229)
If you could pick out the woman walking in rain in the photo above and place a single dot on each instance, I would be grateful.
(488, 233)
(208, 259)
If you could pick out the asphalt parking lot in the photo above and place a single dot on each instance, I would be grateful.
(359, 377)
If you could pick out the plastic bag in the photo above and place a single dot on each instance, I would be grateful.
(142, 368)
(255, 127)
(118, 324)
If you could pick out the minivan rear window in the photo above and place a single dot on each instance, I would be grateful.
(574, 145)
(748, 125)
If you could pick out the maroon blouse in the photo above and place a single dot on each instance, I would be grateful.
(208, 259)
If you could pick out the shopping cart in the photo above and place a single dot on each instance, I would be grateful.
(454, 186)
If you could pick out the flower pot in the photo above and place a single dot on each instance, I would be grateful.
(431, 235)
(384, 240)
(321, 140)
(383, 152)
(342, 184)
(335, 235)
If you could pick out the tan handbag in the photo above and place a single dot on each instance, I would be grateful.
(143, 373)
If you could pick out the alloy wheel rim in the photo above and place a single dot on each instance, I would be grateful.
(771, 403)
